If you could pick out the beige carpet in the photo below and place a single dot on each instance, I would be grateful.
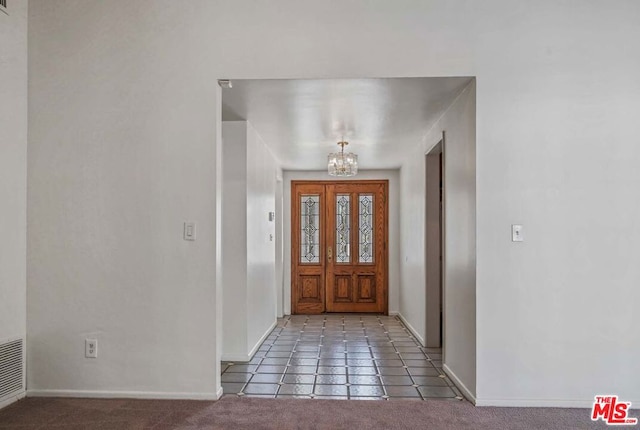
(255, 413)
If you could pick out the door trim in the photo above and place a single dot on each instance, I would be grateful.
(294, 246)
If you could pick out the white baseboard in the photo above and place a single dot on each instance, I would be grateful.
(125, 394)
(243, 358)
(543, 403)
(235, 358)
(262, 338)
(411, 329)
(219, 393)
(458, 383)
(12, 399)
(523, 403)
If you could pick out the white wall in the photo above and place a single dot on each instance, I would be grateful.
(394, 228)
(234, 239)
(122, 151)
(13, 171)
(279, 246)
(458, 122)
(261, 246)
(249, 252)
(115, 86)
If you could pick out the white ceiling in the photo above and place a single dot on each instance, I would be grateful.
(302, 120)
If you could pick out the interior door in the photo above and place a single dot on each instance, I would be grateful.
(339, 247)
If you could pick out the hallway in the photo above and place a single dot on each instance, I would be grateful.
(333, 356)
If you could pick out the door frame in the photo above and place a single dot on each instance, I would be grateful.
(435, 263)
(385, 258)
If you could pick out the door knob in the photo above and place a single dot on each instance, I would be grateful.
(329, 253)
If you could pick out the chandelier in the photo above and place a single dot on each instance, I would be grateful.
(341, 164)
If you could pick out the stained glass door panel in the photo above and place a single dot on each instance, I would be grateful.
(343, 229)
(310, 228)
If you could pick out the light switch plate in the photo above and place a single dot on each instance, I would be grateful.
(516, 233)
(189, 231)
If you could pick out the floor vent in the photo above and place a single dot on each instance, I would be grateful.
(11, 368)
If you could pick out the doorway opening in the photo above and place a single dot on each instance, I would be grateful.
(279, 131)
(434, 246)
(339, 258)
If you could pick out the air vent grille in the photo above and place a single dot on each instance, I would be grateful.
(11, 367)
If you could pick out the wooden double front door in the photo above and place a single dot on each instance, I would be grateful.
(339, 246)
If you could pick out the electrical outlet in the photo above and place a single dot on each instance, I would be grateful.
(91, 348)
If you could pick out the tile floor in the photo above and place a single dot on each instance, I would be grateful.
(341, 357)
